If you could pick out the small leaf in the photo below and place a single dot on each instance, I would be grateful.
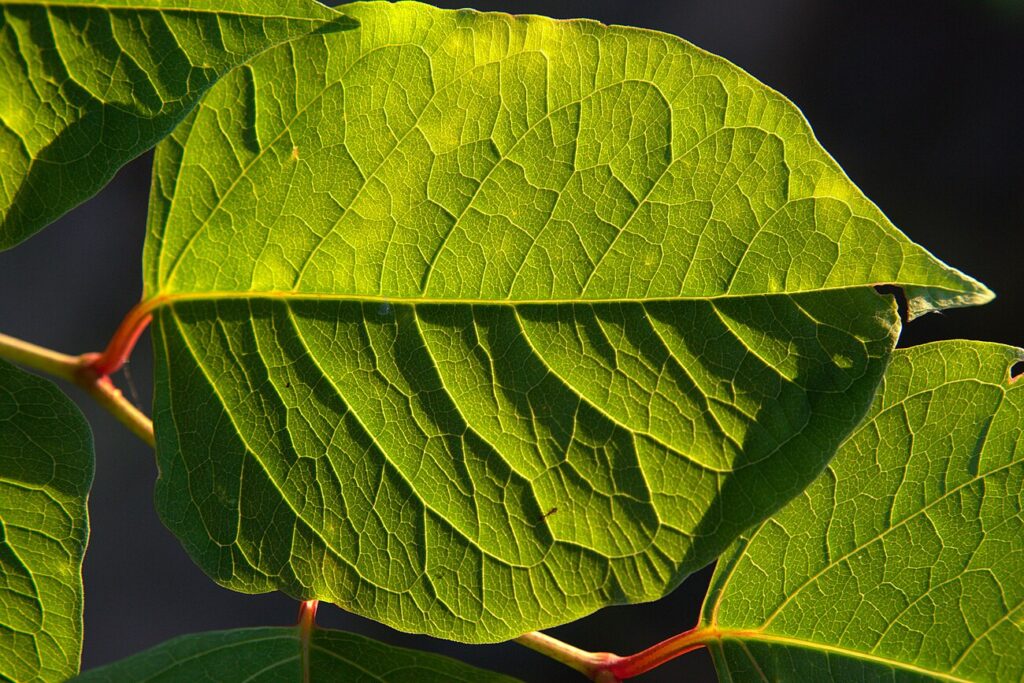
(474, 324)
(87, 86)
(905, 559)
(46, 468)
(261, 655)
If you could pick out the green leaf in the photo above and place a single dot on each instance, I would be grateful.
(46, 467)
(905, 560)
(87, 86)
(461, 319)
(261, 655)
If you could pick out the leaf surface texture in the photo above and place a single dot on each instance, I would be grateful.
(87, 86)
(474, 324)
(905, 559)
(46, 469)
(275, 655)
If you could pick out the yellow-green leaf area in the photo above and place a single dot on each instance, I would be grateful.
(46, 469)
(278, 655)
(905, 559)
(87, 86)
(464, 156)
(474, 324)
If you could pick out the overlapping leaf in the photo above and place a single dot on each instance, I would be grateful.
(46, 467)
(474, 324)
(262, 655)
(88, 85)
(905, 560)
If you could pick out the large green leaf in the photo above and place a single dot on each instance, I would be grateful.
(461, 319)
(46, 466)
(88, 85)
(262, 655)
(906, 559)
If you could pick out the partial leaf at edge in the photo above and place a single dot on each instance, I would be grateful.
(46, 469)
(265, 655)
(87, 86)
(474, 324)
(905, 560)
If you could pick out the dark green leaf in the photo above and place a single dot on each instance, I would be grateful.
(262, 655)
(905, 560)
(46, 467)
(87, 86)
(474, 324)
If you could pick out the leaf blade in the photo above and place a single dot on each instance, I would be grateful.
(45, 476)
(89, 86)
(937, 453)
(589, 437)
(275, 654)
(737, 252)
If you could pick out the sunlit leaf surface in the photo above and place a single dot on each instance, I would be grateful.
(86, 86)
(905, 560)
(46, 467)
(474, 324)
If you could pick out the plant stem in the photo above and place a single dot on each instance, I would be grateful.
(123, 341)
(39, 358)
(307, 622)
(114, 402)
(78, 370)
(605, 667)
(590, 664)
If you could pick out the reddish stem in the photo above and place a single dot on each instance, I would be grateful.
(307, 622)
(307, 614)
(123, 341)
(656, 655)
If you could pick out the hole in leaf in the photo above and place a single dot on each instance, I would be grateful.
(1016, 370)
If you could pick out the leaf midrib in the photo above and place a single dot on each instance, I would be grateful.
(163, 299)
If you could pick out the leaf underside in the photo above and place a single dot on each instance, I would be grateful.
(265, 655)
(46, 468)
(905, 560)
(87, 86)
(474, 324)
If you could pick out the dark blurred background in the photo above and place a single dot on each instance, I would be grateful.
(920, 103)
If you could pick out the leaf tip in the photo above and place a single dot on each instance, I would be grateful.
(922, 300)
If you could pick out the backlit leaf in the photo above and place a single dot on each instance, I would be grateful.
(265, 655)
(46, 467)
(88, 86)
(905, 560)
(474, 324)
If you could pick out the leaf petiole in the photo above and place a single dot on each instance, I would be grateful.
(123, 341)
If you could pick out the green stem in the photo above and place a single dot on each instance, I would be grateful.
(590, 664)
(78, 371)
(39, 358)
